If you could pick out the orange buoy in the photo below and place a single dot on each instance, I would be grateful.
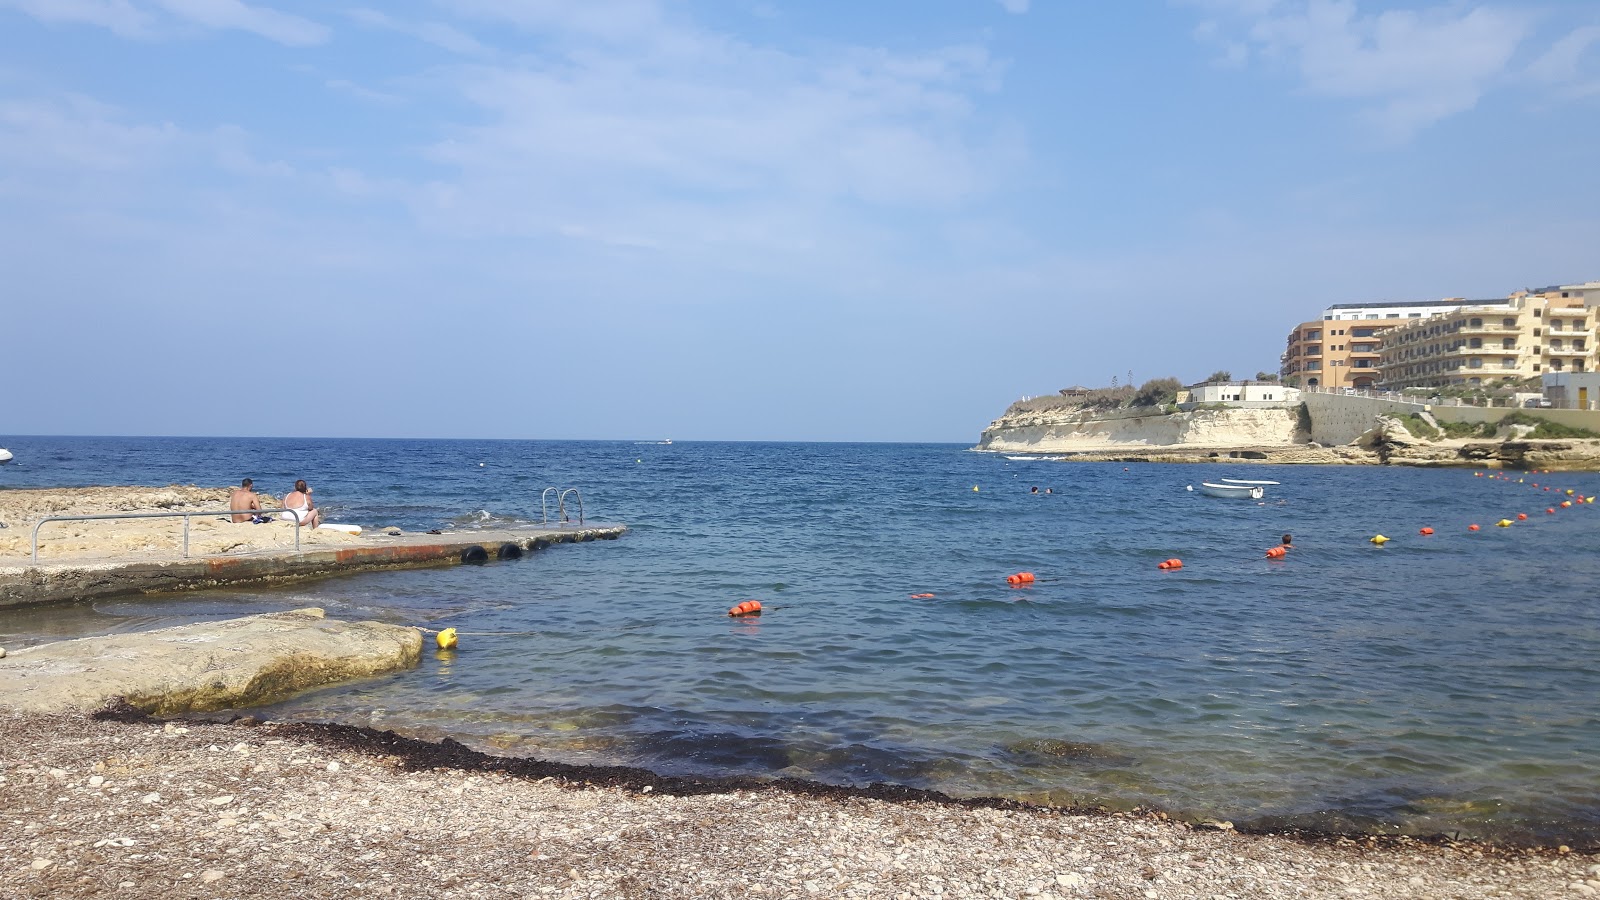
(1276, 553)
(1550, 510)
(1173, 563)
(1566, 503)
(1472, 528)
(747, 608)
(1020, 578)
(922, 596)
(1522, 517)
(1425, 530)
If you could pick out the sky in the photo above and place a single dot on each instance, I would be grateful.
(820, 220)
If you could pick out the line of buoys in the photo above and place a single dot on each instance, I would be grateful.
(1173, 563)
(747, 608)
(1020, 578)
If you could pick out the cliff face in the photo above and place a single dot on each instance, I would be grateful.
(1266, 435)
(1123, 430)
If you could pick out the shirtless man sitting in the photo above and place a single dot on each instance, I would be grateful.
(299, 500)
(243, 500)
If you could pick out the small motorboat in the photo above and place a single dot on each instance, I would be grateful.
(1233, 491)
(5, 456)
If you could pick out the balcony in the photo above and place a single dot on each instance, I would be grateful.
(1567, 351)
(1570, 334)
(1486, 328)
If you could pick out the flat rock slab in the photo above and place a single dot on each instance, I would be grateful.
(206, 666)
(23, 583)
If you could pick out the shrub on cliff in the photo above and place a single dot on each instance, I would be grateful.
(1157, 392)
(1544, 429)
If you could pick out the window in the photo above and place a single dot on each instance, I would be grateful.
(1363, 332)
(1414, 315)
(1475, 343)
(1392, 316)
(1510, 362)
(1536, 332)
(1476, 323)
(1475, 363)
(1362, 363)
(1538, 313)
(1556, 325)
(1508, 344)
(1509, 323)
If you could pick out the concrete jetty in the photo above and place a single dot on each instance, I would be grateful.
(205, 666)
(24, 583)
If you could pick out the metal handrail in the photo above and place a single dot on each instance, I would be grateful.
(574, 492)
(298, 520)
(561, 504)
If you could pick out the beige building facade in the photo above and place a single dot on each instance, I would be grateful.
(1529, 335)
(1343, 349)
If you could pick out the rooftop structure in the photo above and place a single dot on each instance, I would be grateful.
(1406, 309)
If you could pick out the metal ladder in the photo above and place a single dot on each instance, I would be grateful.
(562, 516)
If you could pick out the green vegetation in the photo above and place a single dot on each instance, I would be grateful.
(1157, 392)
(1269, 377)
(1220, 375)
(1544, 429)
(1467, 429)
(1421, 427)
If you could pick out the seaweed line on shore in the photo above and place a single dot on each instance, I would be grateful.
(416, 754)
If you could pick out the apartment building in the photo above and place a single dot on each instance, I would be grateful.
(1527, 335)
(1342, 349)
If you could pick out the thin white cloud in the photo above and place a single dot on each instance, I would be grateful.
(675, 136)
(233, 14)
(1409, 68)
(1015, 7)
(119, 16)
(436, 33)
(1562, 62)
(142, 20)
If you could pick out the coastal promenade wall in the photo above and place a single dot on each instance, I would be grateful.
(1338, 419)
(1572, 418)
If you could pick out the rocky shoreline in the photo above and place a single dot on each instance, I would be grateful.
(120, 805)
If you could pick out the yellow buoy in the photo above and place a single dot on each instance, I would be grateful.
(446, 639)
(1379, 539)
(1569, 492)
(1504, 523)
(974, 487)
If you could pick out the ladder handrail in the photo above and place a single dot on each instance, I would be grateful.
(561, 505)
(298, 520)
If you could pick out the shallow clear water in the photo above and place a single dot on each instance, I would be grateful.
(1446, 683)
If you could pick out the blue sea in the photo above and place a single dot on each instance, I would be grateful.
(1445, 683)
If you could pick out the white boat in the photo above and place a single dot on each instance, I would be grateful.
(1233, 491)
(5, 456)
(1247, 481)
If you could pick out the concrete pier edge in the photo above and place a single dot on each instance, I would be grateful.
(69, 581)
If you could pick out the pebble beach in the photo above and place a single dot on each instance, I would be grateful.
(120, 806)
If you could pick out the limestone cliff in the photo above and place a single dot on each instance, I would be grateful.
(1073, 431)
(1268, 435)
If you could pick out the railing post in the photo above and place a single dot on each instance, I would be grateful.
(186, 536)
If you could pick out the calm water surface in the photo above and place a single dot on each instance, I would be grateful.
(1447, 683)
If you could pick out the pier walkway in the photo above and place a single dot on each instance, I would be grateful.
(24, 583)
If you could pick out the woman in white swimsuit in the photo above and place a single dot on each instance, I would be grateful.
(299, 500)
